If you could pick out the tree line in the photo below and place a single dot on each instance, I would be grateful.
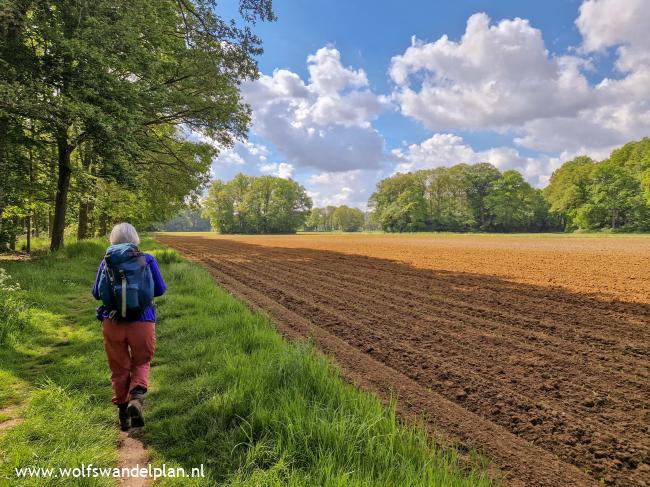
(582, 194)
(459, 198)
(97, 99)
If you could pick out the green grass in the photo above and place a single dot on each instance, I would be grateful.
(226, 391)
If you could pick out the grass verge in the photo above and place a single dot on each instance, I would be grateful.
(227, 392)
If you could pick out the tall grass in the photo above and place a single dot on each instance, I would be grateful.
(14, 314)
(55, 371)
(226, 391)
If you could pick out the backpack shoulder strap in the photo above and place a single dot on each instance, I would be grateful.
(110, 273)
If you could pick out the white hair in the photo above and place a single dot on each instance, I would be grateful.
(124, 233)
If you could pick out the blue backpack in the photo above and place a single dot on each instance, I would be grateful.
(126, 284)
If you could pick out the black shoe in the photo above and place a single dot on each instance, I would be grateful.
(125, 419)
(134, 410)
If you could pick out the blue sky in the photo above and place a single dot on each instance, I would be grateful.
(347, 96)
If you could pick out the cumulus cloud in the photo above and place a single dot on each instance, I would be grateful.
(323, 124)
(622, 23)
(497, 75)
(279, 169)
(352, 188)
(242, 153)
(249, 157)
(619, 108)
(444, 150)
(501, 76)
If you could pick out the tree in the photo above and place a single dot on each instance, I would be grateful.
(113, 74)
(614, 194)
(188, 220)
(459, 198)
(446, 194)
(316, 220)
(249, 204)
(348, 219)
(514, 204)
(479, 180)
(568, 189)
(400, 203)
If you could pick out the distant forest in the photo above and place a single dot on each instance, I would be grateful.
(582, 194)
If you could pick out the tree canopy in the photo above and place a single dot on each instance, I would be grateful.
(96, 99)
(256, 204)
(335, 218)
(611, 194)
(459, 198)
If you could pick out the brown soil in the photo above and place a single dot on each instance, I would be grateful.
(10, 423)
(9, 418)
(533, 350)
(132, 453)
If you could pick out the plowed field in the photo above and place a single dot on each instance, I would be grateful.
(535, 350)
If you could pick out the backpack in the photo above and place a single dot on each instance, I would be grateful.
(126, 283)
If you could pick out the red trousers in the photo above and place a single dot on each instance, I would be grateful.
(129, 347)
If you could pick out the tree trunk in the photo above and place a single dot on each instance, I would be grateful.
(12, 236)
(82, 228)
(28, 247)
(84, 205)
(92, 222)
(62, 186)
(103, 224)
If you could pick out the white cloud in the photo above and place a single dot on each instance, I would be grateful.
(248, 157)
(500, 76)
(242, 153)
(443, 150)
(622, 23)
(327, 74)
(351, 188)
(496, 76)
(619, 109)
(279, 169)
(325, 124)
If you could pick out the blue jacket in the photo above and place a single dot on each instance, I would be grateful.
(159, 288)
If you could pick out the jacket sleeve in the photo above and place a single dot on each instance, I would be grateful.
(159, 286)
(97, 277)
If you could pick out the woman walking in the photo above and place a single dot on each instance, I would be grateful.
(126, 282)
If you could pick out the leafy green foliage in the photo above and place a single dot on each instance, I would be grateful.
(332, 218)
(264, 204)
(188, 220)
(611, 194)
(459, 198)
(14, 313)
(109, 91)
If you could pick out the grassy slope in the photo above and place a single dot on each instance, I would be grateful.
(227, 392)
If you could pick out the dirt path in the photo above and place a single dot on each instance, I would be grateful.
(551, 384)
(9, 423)
(132, 453)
